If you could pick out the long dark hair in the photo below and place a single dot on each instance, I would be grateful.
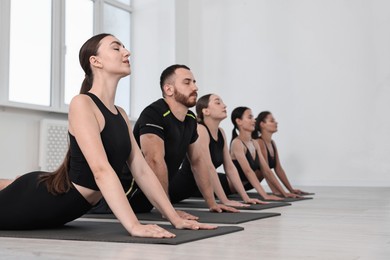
(89, 48)
(203, 102)
(260, 118)
(237, 113)
(58, 182)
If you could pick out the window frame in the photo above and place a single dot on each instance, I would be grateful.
(58, 49)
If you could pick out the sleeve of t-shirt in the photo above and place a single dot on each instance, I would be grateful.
(151, 122)
(194, 133)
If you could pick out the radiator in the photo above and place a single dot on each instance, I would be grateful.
(53, 143)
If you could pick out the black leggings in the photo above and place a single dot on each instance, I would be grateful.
(181, 186)
(25, 204)
(184, 186)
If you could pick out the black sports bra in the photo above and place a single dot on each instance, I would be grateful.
(271, 159)
(254, 163)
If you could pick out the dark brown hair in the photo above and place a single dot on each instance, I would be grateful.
(202, 103)
(260, 118)
(237, 113)
(89, 48)
(58, 182)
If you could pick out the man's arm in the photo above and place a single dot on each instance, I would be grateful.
(152, 147)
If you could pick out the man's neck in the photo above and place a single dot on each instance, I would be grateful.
(178, 110)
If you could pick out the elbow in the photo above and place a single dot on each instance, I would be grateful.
(100, 172)
(153, 160)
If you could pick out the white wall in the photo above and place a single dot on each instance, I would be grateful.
(19, 140)
(153, 49)
(322, 67)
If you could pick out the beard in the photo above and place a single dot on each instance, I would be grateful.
(185, 100)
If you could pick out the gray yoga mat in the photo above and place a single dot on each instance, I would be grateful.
(204, 216)
(256, 195)
(114, 232)
(202, 204)
(305, 194)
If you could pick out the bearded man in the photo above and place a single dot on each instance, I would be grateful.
(166, 132)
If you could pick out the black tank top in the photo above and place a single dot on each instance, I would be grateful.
(216, 148)
(116, 143)
(216, 153)
(253, 163)
(271, 159)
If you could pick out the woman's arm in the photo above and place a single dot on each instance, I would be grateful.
(233, 176)
(238, 152)
(204, 141)
(86, 123)
(202, 177)
(282, 175)
(269, 175)
(280, 171)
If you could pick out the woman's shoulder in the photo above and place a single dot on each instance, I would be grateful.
(202, 131)
(236, 143)
(80, 102)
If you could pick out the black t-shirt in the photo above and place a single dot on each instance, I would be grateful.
(158, 119)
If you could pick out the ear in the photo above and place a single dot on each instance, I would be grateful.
(262, 124)
(206, 111)
(168, 90)
(95, 62)
(238, 121)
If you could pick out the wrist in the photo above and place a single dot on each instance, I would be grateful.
(211, 203)
(176, 220)
(130, 226)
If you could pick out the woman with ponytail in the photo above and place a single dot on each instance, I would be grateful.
(265, 127)
(210, 111)
(100, 144)
(247, 157)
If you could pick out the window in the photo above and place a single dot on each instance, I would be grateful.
(78, 27)
(39, 64)
(30, 52)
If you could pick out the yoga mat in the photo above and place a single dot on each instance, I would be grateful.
(305, 194)
(256, 195)
(202, 204)
(114, 232)
(204, 216)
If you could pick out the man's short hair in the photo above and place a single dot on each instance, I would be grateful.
(168, 73)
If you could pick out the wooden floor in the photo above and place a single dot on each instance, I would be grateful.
(339, 223)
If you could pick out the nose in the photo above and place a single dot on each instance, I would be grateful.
(127, 52)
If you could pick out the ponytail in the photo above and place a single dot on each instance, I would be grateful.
(58, 182)
(234, 133)
(237, 113)
(87, 84)
(89, 48)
